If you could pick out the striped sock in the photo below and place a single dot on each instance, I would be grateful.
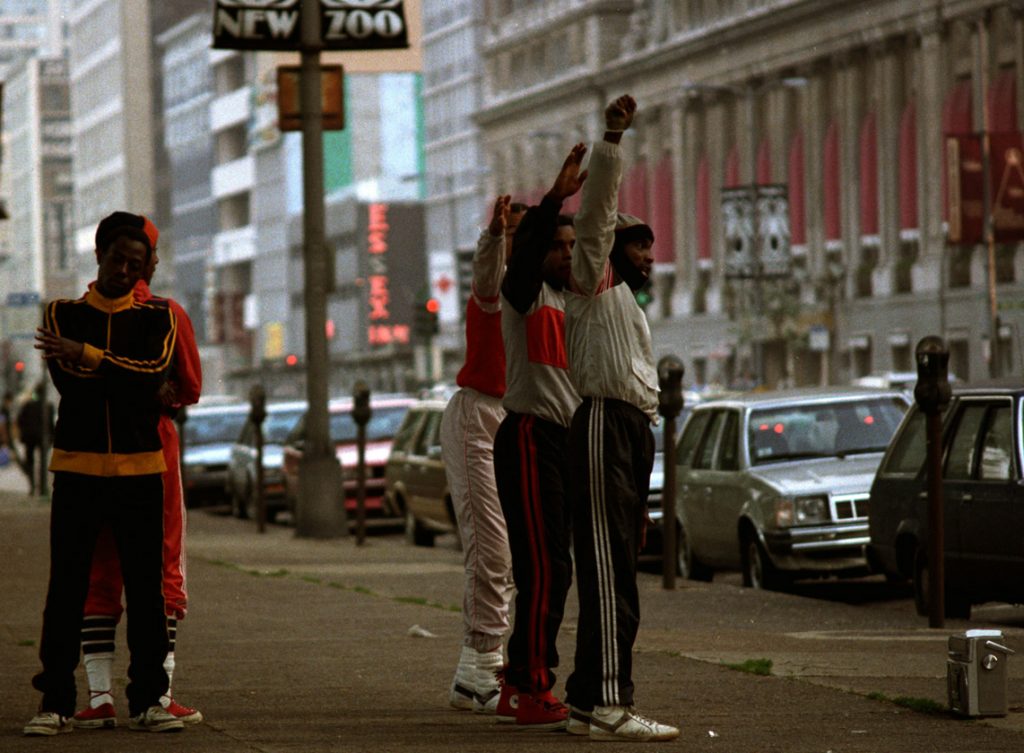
(98, 633)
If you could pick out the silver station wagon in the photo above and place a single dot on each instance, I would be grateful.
(776, 484)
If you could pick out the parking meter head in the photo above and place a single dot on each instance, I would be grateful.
(361, 411)
(670, 384)
(932, 392)
(258, 404)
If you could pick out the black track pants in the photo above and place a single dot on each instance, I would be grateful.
(530, 470)
(611, 451)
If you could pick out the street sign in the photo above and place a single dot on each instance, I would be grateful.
(332, 98)
(276, 24)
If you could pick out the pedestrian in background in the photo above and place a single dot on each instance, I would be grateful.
(530, 449)
(35, 424)
(108, 356)
(611, 447)
(468, 426)
(103, 606)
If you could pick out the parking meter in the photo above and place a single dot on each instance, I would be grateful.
(932, 393)
(670, 404)
(257, 415)
(361, 414)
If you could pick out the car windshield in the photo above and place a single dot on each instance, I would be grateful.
(823, 430)
(279, 424)
(383, 424)
(210, 428)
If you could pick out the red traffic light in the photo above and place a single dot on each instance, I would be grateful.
(19, 366)
(291, 359)
(433, 305)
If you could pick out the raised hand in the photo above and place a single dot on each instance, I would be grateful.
(618, 115)
(499, 217)
(570, 179)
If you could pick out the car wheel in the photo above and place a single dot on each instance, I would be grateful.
(957, 604)
(688, 567)
(415, 533)
(758, 570)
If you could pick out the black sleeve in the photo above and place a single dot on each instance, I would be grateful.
(532, 241)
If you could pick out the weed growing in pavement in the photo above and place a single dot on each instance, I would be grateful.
(921, 705)
(311, 579)
(27, 642)
(753, 666)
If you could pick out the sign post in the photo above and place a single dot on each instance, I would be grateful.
(311, 26)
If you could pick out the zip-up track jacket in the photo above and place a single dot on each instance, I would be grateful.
(108, 413)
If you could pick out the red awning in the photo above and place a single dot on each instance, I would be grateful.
(732, 169)
(633, 190)
(795, 177)
(662, 219)
(703, 206)
(869, 175)
(831, 199)
(1002, 102)
(908, 168)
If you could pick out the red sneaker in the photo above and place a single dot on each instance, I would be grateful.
(101, 717)
(508, 701)
(541, 711)
(184, 713)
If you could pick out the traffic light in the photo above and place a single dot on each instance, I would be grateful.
(426, 322)
(19, 375)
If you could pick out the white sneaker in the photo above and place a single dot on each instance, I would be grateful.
(48, 723)
(156, 719)
(625, 723)
(463, 688)
(578, 722)
(488, 684)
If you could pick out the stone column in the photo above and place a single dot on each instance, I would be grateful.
(890, 105)
(682, 150)
(718, 145)
(927, 275)
(851, 109)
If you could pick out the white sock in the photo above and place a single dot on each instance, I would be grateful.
(165, 699)
(488, 665)
(465, 673)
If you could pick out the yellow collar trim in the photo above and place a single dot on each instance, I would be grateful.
(110, 305)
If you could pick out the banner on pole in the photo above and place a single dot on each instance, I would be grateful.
(966, 187)
(277, 24)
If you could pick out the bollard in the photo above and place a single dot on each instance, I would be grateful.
(361, 413)
(258, 414)
(670, 404)
(932, 393)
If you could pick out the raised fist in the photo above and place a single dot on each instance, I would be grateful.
(618, 115)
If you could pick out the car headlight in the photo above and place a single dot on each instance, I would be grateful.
(800, 511)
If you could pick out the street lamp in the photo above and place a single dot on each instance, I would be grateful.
(748, 204)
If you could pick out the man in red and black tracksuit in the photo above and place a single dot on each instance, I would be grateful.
(530, 449)
(103, 607)
(108, 356)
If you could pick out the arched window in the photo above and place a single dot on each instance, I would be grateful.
(869, 175)
(732, 169)
(662, 220)
(908, 168)
(831, 199)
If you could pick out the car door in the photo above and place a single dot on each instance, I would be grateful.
(727, 494)
(706, 519)
(688, 491)
(422, 454)
(986, 495)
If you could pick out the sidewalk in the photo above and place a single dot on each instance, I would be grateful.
(308, 646)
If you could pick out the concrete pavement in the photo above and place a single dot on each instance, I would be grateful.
(310, 646)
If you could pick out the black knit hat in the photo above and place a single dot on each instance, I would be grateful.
(134, 226)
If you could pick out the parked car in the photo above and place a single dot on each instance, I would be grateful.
(776, 483)
(241, 477)
(983, 491)
(415, 482)
(388, 411)
(211, 427)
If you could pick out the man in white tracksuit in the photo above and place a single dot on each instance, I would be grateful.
(611, 447)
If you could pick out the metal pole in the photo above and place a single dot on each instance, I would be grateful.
(936, 526)
(321, 510)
